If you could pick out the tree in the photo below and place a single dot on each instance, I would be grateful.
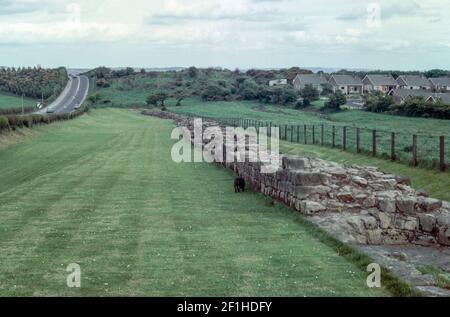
(378, 102)
(162, 97)
(288, 95)
(179, 95)
(193, 72)
(152, 100)
(309, 94)
(434, 73)
(215, 92)
(327, 89)
(336, 101)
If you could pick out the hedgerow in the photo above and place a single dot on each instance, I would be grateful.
(12, 122)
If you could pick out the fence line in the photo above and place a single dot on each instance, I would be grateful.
(414, 150)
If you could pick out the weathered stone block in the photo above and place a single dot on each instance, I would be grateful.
(404, 180)
(311, 207)
(296, 163)
(362, 182)
(429, 204)
(387, 205)
(406, 205)
(303, 192)
(444, 236)
(395, 237)
(345, 197)
(443, 219)
(427, 222)
(374, 237)
(307, 178)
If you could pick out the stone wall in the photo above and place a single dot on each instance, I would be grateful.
(356, 204)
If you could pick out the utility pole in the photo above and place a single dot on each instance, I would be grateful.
(23, 109)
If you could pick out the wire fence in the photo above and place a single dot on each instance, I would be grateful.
(414, 150)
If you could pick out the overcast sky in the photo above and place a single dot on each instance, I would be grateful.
(230, 33)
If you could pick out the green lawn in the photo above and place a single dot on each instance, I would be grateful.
(102, 191)
(8, 101)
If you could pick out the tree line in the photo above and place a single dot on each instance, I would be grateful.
(411, 107)
(33, 82)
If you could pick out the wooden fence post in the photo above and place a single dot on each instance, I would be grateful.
(298, 134)
(313, 134)
(334, 136)
(414, 151)
(393, 154)
(322, 135)
(292, 133)
(305, 137)
(285, 132)
(374, 143)
(442, 153)
(344, 139)
(358, 140)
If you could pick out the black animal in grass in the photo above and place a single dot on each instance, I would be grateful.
(239, 185)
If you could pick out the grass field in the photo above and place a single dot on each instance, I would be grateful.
(10, 101)
(102, 191)
(428, 131)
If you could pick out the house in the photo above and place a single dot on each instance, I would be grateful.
(315, 80)
(347, 84)
(278, 82)
(414, 82)
(440, 84)
(383, 83)
(400, 95)
(442, 97)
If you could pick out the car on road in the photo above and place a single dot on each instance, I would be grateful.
(77, 106)
(50, 110)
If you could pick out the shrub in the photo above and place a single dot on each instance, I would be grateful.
(336, 101)
(309, 93)
(215, 93)
(378, 102)
(14, 121)
(27, 121)
(4, 124)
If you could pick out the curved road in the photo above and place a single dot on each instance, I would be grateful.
(72, 97)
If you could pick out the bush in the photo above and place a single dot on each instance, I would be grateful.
(4, 124)
(418, 107)
(310, 93)
(215, 93)
(336, 101)
(288, 95)
(27, 121)
(378, 102)
(18, 121)
(16, 110)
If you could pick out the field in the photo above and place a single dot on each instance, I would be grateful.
(102, 191)
(11, 101)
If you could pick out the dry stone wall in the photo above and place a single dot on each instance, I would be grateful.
(357, 204)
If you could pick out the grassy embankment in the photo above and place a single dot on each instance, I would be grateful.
(8, 101)
(103, 192)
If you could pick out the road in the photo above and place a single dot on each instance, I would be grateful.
(73, 95)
